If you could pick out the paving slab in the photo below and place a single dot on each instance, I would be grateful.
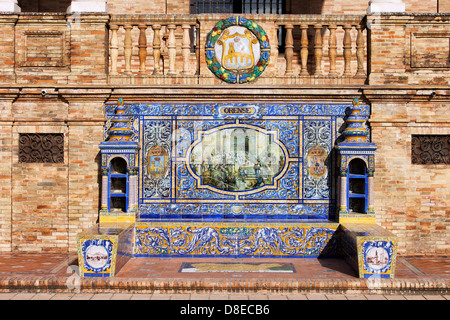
(102, 296)
(122, 296)
(316, 296)
(414, 297)
(7, 296)
(336, 297)
(82, 296)
(43, 296)
(433, 297)
(394, 297)
(218, 297)
(355, 297)
(22, 272)
(23, 296)
(297, 297)
(375, 297)
(160, 296)
(141, 296)
(62, 296)
(180, 296)
(197, 296)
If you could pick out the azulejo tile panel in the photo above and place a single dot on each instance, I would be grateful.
(377, 257)
(156, 238)
(98, 255)
(104, 249)
(222, 160)
(369, 249)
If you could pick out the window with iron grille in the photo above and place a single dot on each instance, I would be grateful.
(41, 147)
(244, 6)
(238, 6)
(430, 149)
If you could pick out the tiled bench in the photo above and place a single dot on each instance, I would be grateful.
(369, 249)
(104, 249)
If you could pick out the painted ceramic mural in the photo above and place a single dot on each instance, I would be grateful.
(236, 158)
(234, 239)
(228, 161)
(237, 50)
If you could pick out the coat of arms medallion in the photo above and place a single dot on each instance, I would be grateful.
(237, 50)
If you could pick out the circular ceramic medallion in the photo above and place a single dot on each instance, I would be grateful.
(237, 50)
(377, 258)
(96, 256)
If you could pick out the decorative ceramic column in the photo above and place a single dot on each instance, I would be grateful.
(133, 176)
(104, 208)
(377, 6)
(119, 145)
(80, 6)
(356, 147)
(9, 6)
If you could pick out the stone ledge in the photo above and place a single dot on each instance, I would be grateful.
(28, 283)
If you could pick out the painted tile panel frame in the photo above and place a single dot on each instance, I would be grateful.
(300, 127)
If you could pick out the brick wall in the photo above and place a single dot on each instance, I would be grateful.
(5, 173)
(138, 7)
(293, 6)
(86, 121)
(89, 39)
(39, 190)
(43, 206)
(411, 200)
(7, 49)
(417, 47)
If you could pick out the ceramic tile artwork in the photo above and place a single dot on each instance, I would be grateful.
(378, 258)
(247, 239)
(104, 249)
(219, 161)
(221, 180)
(369, 249)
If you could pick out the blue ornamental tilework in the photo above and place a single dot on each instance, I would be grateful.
(104, 249)
(317, 144)
(377, 257)
(97, 256)
(233, 239)
(214, 109)
(277, 159)
(218, 211)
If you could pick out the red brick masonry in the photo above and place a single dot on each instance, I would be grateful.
(53, 273)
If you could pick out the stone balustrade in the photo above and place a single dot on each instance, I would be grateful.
(168, 49)
(323, 41)
(155, 37)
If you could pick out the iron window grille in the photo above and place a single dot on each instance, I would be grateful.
(430, 149)
(41, 147)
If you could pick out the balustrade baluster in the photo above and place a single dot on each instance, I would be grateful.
(186, 46)
(289, 49)
(156, 47)
(142, 48)
(332, 49)
(360, 51)
(347, 49)
(310, 53)
(128, 47)
(318, 49)
(304, 50)
(171, 45)
(114, 49)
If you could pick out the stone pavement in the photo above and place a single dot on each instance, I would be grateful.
(41, 276)
(206, 296)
